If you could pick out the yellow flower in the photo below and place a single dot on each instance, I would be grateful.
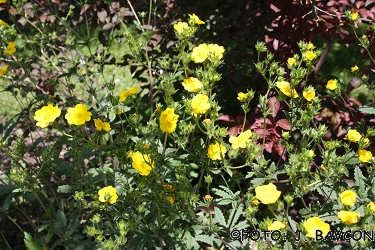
(78, 115)
(142, 163)
(348, 197)
(46, 115)
(146, 146)
(215, 151)
(348, 217)
(354, 68)
(180, 26)
(332, 84)
(310, 46)
(309, 95)
(196, 19)
(126, 93)
(354, 135)
(276, 225)
(130, 153)
(200, 53)
(99, 125)
(192, 84)
(364, 155)
(108, 194)
(216, 50)
(170, 199)
(371, 206)
(200, 104)
(242, 97)
(168, 121)
(3, 23)
(241, 140)
(208, 197)
(313, 224)
(310, 55)
(285, 88)
(169, 187)
(310, 153)
(3, 1)
(11, 48)
(354, 16)
(291, 61)
(255, 202)
(3, 70)
(267, 194)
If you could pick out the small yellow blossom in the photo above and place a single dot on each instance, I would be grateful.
(216, 151)
(208, 197)
(313, 224)
(309, 94)
(242, 97)
(348, 197)
(46, 115)
(354, 68)
(3, 70)
(78, 115)
(310, 153)
(322, 167)
(240, 140)
(267, 194)
(276, 225)
(371, 206)
(291, 61)
(200, 104)
(310, 55)
(196, 19)
(168, 121)
(169, 187)
(2, 23)
(192, 84)
(216, 50)
(170, 199)
(100, 125)
(332, 84)
(206, 121)
(180, 27)
(354, 135)
(255, 202)
(11, 48)
(126, 93)
(310, 46)
(285, 88)
(364, 155)
(347, 217)
(130, 153)
(142, 163)
(108, 194)
(354, 16)
(146, 146)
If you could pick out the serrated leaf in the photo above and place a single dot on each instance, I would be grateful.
(367, 109)
(350, 159)
(242, 225)
(225, 201)
(359, 181)
(30, 243)
(191, 243)
(257, 181)
(61, 221)
(249, 175)
(235, 214)
(219, 216)
(67, 189)
(288, 246)
(222, 194)
(205, 238)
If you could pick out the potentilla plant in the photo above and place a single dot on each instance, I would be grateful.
(168, 176)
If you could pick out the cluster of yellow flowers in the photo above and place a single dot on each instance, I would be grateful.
(363, 154)
(205, 51)
(10, 49)
(348, 198)
(183, 27)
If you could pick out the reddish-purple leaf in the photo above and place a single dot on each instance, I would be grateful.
(284, 124)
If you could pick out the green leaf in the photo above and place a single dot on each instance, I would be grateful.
(257, 181)
(4, 189)
(249, 175)
(222, 194)
(205, 238)
(67, 189)
(61, 221)
(359, 181)
(235, 214)
(350, 159)
(219, 216)
(30, 243)
(367, 109)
